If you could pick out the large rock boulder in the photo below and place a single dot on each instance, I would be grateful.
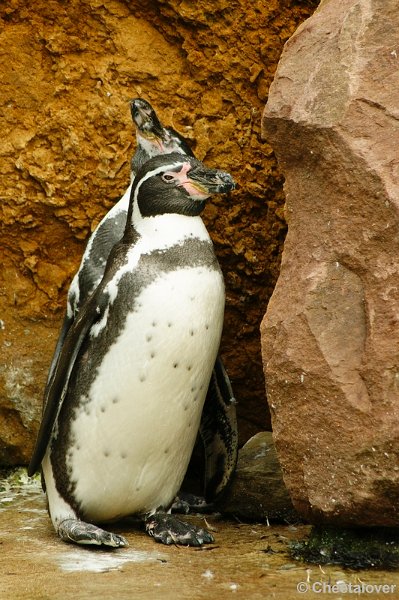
(330, 337)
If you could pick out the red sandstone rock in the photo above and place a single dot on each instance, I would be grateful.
(330, 337)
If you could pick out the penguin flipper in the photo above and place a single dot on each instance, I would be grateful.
(57, 385)
(218, 430)
(65, 327)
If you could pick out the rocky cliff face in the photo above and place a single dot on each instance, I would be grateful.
(330, 336)
(67, 73)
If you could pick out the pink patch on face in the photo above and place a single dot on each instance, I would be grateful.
(180, 176)
(194, 189)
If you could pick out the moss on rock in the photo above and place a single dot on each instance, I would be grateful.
(369, 548)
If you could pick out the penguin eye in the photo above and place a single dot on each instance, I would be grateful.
(167, 178)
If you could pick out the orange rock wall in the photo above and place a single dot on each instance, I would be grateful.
(68, 70)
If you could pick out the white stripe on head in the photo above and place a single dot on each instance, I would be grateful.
(136, 211)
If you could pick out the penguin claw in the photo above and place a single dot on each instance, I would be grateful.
(167, 529)
(79, 532)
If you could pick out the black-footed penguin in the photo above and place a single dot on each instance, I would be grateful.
(124, 404)
(218, 429)
(153, 139)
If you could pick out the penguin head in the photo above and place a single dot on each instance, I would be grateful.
(152, 137)
(174, 183)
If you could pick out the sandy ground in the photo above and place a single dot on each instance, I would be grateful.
(248, 561)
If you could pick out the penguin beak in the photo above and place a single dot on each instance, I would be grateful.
(146, 122)
(210, 181)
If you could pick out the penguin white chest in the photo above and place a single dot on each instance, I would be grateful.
(134, 432)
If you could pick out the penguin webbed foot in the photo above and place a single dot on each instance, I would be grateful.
(185, 503)
(79, 532)
(168, 529)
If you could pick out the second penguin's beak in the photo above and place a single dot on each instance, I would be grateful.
(146, 121)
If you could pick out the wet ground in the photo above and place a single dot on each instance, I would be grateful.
(249, 561)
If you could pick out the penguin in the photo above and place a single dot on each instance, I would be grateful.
(218, 431)
(152, 139)
(125, 400)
